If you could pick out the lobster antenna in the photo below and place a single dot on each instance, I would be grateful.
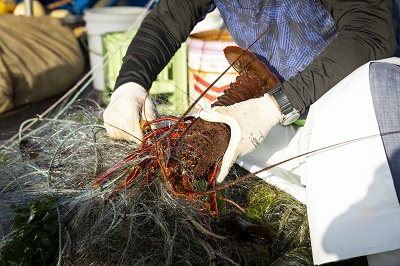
(250, 175)
(173, 127)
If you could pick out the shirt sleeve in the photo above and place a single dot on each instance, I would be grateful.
(160, 35)
(366, 32)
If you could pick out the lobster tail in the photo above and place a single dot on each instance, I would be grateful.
(254, 79)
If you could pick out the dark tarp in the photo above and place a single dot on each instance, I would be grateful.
(39, 58)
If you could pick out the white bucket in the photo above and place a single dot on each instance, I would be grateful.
(100, 21)
(213, 21)
(206, 62)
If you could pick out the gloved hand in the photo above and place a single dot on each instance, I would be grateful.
(125, 111)
(249, 121)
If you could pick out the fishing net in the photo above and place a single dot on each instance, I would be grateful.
(47, 200)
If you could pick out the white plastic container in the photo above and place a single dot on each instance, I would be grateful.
(213, 21)
(100, 21)
(206, 62)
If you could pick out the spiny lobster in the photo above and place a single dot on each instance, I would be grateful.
(192, 149)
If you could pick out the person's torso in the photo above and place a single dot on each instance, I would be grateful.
(295, 31)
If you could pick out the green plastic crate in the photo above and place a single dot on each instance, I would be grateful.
(171, 85)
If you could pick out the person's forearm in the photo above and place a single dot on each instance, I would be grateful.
(366, 32)
(158, 38)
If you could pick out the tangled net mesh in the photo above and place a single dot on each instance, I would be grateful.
(51, 215)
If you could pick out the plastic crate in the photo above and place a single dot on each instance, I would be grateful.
(171, 85)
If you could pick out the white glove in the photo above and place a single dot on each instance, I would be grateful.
(124, 112)
(249, 121)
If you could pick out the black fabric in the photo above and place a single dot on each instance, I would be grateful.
(159, 37)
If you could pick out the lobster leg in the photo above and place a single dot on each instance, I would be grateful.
(213, 208)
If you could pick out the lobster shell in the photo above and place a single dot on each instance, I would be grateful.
(254, 79)
(203, 144)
